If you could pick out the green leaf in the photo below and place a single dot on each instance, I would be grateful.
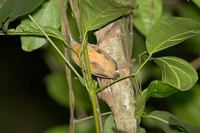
(1, 3)
(147, 14)
(186, 105)
(177, 72)
(197, 2)
(188, 11)
(109, 124)
(142, 130)
(30, 29)
(157, 89)
(141, 103)
(57, 89)
(170, 31)
(170, 123)
(58, 129)
(110, 127)
(48, 15)
(97, 13)
(12, 9)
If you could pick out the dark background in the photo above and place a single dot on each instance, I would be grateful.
(25, 106)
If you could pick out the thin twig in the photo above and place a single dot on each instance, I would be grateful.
(91, 117)
(67, 69)
(125, 77)
(57, 49)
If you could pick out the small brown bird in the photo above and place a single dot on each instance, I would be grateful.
(102, 65)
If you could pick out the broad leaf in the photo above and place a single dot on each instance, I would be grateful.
(197, 2)
(97, 13)
(145, 16)
(48, 15)
(170, 123)
(177, 72)
(12, 9)
(157, 89)
(30, 29)
(170, 31)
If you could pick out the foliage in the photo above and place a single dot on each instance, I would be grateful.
(160, 31)
(170, 123)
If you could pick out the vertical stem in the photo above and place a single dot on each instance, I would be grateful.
(86, 70)
(71, 94)
(90, 85)
(96, 112)
(65, 27)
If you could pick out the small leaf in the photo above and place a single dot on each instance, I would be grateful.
(197, 2)
(109, 124)
(170, 123)
(97, 13)
(110, 127)
(141, 103)
(142, 130)
(48, 15)
(12, 9)
(170, 31)
(177, 72)
(157, 89)
(148, 12)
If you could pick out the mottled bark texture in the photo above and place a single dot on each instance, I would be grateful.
(120, 97)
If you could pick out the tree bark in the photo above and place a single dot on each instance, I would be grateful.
(120, 97)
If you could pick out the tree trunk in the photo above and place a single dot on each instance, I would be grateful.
(120, 97)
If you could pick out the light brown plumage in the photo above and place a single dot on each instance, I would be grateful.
(102, 65)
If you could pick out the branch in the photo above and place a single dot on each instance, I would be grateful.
(65, 27)
(119, 96)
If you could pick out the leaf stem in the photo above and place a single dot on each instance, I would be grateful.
(157, 118)
(96, 112)
(56, 48)
(129, 76)
(90, 84)
(86, 60)
(90, 117)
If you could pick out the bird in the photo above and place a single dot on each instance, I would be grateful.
(102, 65)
